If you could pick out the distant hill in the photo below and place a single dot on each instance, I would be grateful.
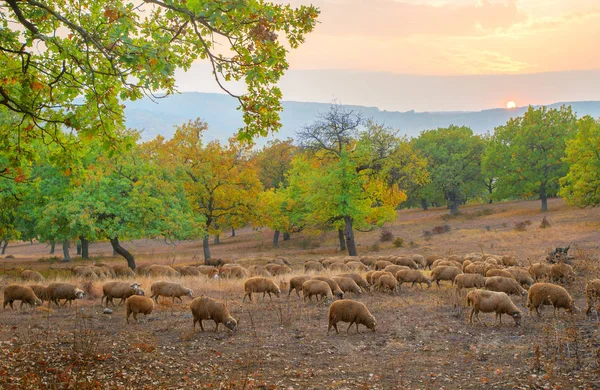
(219, 111)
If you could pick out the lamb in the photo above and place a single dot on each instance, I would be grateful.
(356, 266)
(561, 272)
(335, 289)
(539, 270)
(162, 270)
(40, 291)
(347, 285)
(259, 284)
(259, 270)
(499, 272)
(475, 268)
(444, 272)
(387, 282)
(313, 266)
(412, 276)
(506, 285)
(359, 280)
(138, 304)
(17, 292)
(469, 281)
(296, 284)
(32, 275)
(419, 260)
(592, 293)
(205, 308)
(522, 276)
(381, 264)
(168, 289)
(66, 291)
(318, 288)
(549, 294)
(350, 311)
(122, 270)
(121, 290)
(491, 301)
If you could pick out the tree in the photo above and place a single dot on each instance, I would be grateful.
(274, 161)
(526, 154)
(454, 164)
(69, 65)
(581, 185)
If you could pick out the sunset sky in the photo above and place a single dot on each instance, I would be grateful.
(437, 55)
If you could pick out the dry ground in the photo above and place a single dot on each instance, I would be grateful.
(422, 338)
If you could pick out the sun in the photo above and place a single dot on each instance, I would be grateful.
(511, 104)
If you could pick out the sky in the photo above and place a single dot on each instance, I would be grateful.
(441, 55)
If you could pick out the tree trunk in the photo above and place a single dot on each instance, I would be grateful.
(286, 236)
(349, 236)
(276, 239)
(424, 204)
(205, 246)
(453, 203)
(217, 239)
(342, 240)
(4, 245)
(232, 232)
(66, 255)
(115, 254)
(544, 197)
(544, 204)
(85, 247)
(123, 252)
(78, 247)
(52, 245)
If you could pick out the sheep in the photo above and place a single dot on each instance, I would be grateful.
(108, 269)
(456, 258)
(138, 304)
(143, 270)
(162, 270)
(347, 285)
(205, 308)
(66, 291)
(469, 281)
(549, 294)
(296, 284)
(120, 290)
(492, 301)
(395, 268)
(313, 266)
(419, 260)
(561, 272)
(489, 267)
(368, 261)
(40, 291)
(592, 293)
(350, 311)
(208, 270)
(281, 261)
(100, 272)
(430, 259)
(187, 271)
(328, 262)
(259, 270)
(539, 270)
(369, 275)
(359, 280)
(233, 271)
(503, 284)
(318, 288)
(259, 284)
(444, 272)
(405, 261)
(447, 263)
(499, 272)
(339, 267)
(465, 264)
(335, 289)
(84, 272)
(356, 266)
(387, 282)
(475, 268)
(522, 276)
(122, 270)
(374, 277)
(381, 264)
(279, 270)
(168, 289)
(17, 292)
(509, 261)
(412, 276)
(32, 275)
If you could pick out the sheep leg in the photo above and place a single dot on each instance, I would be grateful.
(217, 326)
(438, 283)
(201, 326)
(4, 305)
(21, 307)
(471, 315)
(270, 297)
(128, 314)
(352, 323)
(135, 316)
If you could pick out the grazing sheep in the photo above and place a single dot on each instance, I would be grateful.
(447, 263)
(419, 260)
(381, 264)
(143, 270)
(329, 261)
(387, 282)
(522, 276)
(233, 271)
(281, 261)
(162, 270)
(187, 271)
(430, 259)
(259, 284)
(489, 267)
(121, 290)
(549, 294)
(506, 285)
(296, 284)
(123, 271)
(491, 301)
(405, 261)
(347, 285)
(356, 266)
(84, 272)
(138, 304)
(335, 289)
(205, 308)
(412, 276)
(313, 266)
(32, 275)
(259, 270)
(561, 272)
(469, 281)
(350, 311)
(395, 268)
(169, 289)
(465, 264)
(214, 262)
(17, 292)
(359, 280)
(209, 271)
(100, 272)
(475, 268)
(592, 293)
(456, 258)
(539, 270)
(279, 270)
(40, 292)
(318, 288)
(369, 275)
(444, 272)
(108, 269)
(374, 277)
(66, 291)
(339, 267)
(499, 272)
(368, 261)
(509, 261)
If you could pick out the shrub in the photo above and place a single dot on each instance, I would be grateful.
(386, 235)
(521, 226)
(427, 234)
(399, 242)
(441, 229)
(545, 224)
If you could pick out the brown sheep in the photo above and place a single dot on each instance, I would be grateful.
(17, 292)
(84, 272)
(446, 263)
(66, 291)
(259, 270)
(475, 268)
(465, 264)
(162, 270)
(369, 275)
(121, 290)
(381, 264)
(549, 294)
(489, 267)
(138, 304)
(169, 289)
(122, 270)
(101, 272)
(356, 266)
(522, 276)
(259, 284)
(419, 260)
(280, 270)
(188, 271)
(281, 261)
(539, 270)
(40, 291)
(374, 277)
(561, 272)
(313, 266)
(359, 280)
(395, 268)
(430, 259)
(205, 308)
(296, 284)
(506, 285)
(339, 267)
(469, 281)
(499, 272)
(592, 293)
(208, 271)
(368, 261)
(335, 289)
(405, 261)
(491, 301)
(143, 269)
(108, 269)
(509, 261)
(318, 288)
(444, 272)
(347, 285)
(350, 311)
(32, 275)
(233, 271)
(456, 258)
(412, 276)
(387, 282)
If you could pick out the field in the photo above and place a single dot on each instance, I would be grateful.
(422, 339)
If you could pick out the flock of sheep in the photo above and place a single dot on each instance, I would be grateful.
(493, 278)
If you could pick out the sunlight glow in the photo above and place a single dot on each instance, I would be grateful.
(511, 104)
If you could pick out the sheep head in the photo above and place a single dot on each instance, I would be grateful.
(231, 324)
(190, 292)
(517, 317)
(79, 294)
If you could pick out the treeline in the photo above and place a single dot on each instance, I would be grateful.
(343, 173)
